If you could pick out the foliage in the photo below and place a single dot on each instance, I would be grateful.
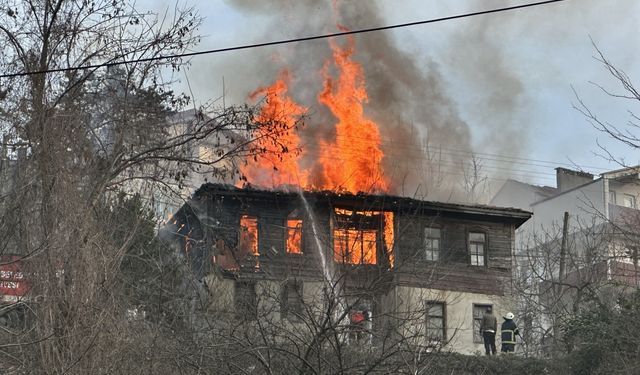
(452, 363)
(79, 138)
(606, 338)
(150, 271)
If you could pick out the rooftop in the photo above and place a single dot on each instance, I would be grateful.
(373, 201)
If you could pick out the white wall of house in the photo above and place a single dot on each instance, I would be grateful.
(622, 191)
(404, 302)
(588, 203)
(586, 207)
(518, 195)
(459, 315)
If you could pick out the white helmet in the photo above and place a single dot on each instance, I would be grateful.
(509, 316)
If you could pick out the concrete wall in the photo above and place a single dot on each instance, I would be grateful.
(584, 204)
(621, 189)
(516, 194)
(458, 310)
(222, 294)
(403, 302)
(567, 179)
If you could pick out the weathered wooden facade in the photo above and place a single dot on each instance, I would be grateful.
(393, 250)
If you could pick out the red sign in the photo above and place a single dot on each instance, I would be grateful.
(13, 283)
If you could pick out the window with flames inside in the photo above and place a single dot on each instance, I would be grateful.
(360, 237)
(232, 257)
(294, 236)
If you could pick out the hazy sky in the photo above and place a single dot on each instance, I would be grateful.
(508, 76)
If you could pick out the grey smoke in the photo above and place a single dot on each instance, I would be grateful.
(425, 139)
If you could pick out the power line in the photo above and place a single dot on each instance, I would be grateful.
(453, 151)
(284, 41)
(391, 151)
(443, 169)
(436, 162)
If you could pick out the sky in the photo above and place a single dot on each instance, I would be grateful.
(509, 78)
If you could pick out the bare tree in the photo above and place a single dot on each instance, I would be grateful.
(76, 138)
(626, 134)
(474, 179)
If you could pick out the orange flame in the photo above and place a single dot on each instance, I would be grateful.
(351, 162)
(359, 245)
(357, 143)
(355, 246)
(294, 236)
(389, 236)
(248, 235)
(277, 138)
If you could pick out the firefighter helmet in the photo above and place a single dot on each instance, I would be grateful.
(509, 315)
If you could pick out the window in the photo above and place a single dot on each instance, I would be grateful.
(359, 235)
(435, 321)
(476, 248)
(245, 300)
(294, 236)
(432, 243)
(629, 201)
(291, 303)
(612, 197)
(248, 242)
(478, 313)
(355, 246)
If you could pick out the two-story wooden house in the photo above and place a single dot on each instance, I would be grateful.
(390, 266)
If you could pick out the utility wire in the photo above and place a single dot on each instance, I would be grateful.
(487, 162)
(481, 155)
(434, 162)
(284, 41)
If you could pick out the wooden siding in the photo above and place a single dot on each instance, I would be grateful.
(220, 215)
(453, 270)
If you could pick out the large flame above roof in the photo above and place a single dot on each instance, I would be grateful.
(351, 161)
(277, 138)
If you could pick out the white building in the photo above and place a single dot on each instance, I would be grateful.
(603, 220)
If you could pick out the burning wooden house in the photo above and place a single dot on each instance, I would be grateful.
(376, 268)
(433, 266)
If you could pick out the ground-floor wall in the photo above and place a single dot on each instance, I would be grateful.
(409, 309)
(420, 307)
(223, 296)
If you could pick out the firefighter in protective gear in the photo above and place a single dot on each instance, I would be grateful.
(508, 332)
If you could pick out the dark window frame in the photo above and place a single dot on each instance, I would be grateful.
(427, 317)
(425, 249)
(357, 221)
(341, 234)
(287, 311)
(485, 246)
(245, 308)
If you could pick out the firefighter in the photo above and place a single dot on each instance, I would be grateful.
(488, 331)
(508, 332)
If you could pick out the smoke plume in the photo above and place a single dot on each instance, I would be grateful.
(426, 143)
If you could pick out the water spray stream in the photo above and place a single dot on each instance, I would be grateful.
(323, 259)
(328, 275)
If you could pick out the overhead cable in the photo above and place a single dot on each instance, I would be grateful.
(283, 41)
